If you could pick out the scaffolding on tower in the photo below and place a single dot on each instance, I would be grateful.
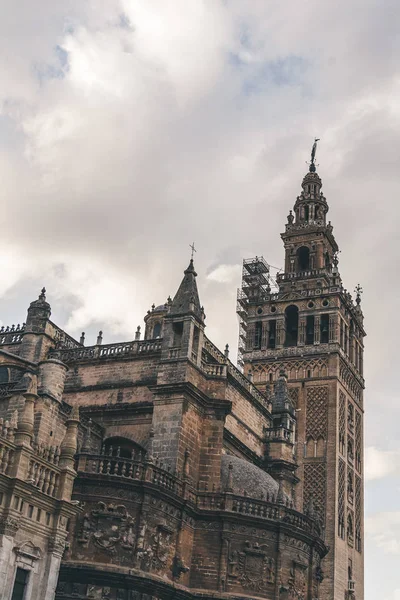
(257, 285)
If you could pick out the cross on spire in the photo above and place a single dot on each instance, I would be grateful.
(193, 250)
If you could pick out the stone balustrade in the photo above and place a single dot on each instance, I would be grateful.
(6, 455)
(140, 469)
(301, 275)
(107, 351)
(279, 433)
(44, 477)
(210, 368)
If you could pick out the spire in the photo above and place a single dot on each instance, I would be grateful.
(281, 400)
(186, 299)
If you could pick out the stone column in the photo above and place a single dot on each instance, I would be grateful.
(317, 329)
(67, 456)
(332, 328)
(280, 332)
(302, 331)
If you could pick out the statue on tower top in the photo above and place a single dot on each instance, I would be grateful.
(313, 152)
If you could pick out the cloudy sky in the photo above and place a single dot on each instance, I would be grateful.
(128, 129)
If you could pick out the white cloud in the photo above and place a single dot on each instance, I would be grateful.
(383, 529)
(128, 129)
(225, 274)
(381, 463)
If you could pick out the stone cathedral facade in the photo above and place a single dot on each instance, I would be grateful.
(155, 469)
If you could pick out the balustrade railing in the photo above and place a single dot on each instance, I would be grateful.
(43, 476)
(279, 433)
(222, 361)
(11, 335)
(6, 455)
(137, 468)
(141, 470)
(106, 351)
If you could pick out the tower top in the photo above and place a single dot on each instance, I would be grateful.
(313, 153)
(186, 299)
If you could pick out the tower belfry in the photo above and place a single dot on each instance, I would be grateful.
(311, 329)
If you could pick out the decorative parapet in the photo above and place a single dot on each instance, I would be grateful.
(42, 470)
(302, 275)
(11, 335)
(63, 340)
(107, 351)
(139, 469)
(230, 370)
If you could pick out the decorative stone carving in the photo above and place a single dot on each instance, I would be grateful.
(297, 582)
(253, 566)
(8, 525)
(108, 526)
(156, 547)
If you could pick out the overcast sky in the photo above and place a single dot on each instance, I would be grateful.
(130, 129)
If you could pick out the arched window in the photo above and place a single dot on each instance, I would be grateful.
(350, 530)
(258, 335)
(122, 447)
(303, 258)
(292, 325)
(320, 446)
(310, 448)
(4, 375)
(157, 331)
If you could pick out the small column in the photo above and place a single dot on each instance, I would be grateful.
(302, 331)
(67, 456)
(265, 334)
(332, 328)
(317, 329)
(280, 332)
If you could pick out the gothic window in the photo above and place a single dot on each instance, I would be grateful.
(350, 488)
(292, 325)
(350, 416)
(358, 444)
(320, 447)
(324, 329)
(358, 509)
(178, 331)
(20, 583)
(342, 423)
(310, 448)
(303, 258)
(350, 529)
(157, 330)
(341, 499)
(272, 334)
(195, 346)
(4, 375)
(258, 335)
(310, 330)
(350, 450)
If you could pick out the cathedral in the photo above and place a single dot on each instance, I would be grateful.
(156, 469)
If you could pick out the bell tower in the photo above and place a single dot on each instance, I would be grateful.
(311, 329)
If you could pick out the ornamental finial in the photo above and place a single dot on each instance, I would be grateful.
(358, 291)
(313, 152)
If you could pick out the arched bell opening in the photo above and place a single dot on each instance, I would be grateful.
(157, 331)
(292, 325)
(303, 258)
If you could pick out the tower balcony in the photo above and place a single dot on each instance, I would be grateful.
(309, 274)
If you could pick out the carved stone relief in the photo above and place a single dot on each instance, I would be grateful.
(108, 527)
(253, 566)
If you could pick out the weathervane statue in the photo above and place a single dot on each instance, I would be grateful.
(313, 152)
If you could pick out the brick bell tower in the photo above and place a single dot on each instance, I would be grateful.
(311, 329)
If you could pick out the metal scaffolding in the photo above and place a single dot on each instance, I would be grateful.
(256, 288)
